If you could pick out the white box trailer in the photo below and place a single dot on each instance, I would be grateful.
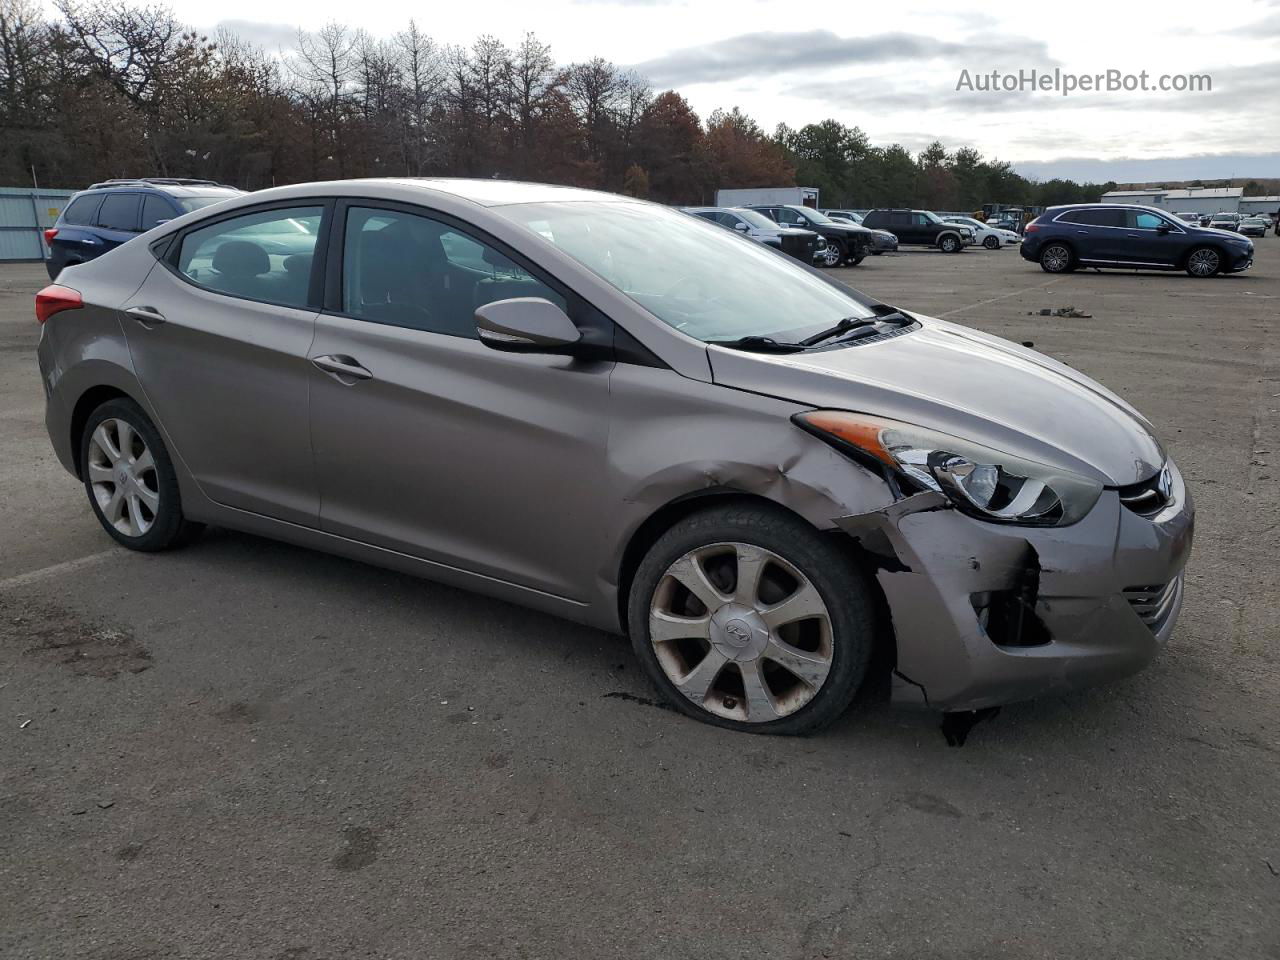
(799, 196)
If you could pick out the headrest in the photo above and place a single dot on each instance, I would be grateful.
(298, 263)
(241, 258)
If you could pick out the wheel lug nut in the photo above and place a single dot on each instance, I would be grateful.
(730, 703)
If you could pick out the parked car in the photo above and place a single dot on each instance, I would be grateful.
(1254, 226)
(1224, 221)
(109, 213)
(1189, 217)
(600, 408)
(846, 242)
(882, 241)
(1133, 237)
(987, 234)
(804, 245)
(920, 228)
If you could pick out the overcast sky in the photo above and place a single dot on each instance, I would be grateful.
(893, 68)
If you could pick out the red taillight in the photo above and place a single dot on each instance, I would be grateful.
(1031, 227)
(54, 299)
(49, 235)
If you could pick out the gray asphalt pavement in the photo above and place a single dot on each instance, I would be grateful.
(247, 750)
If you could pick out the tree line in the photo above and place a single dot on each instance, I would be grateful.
(114, 89)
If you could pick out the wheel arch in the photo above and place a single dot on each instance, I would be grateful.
(87, 402)
(937, 241)
(884, 653)
(1224, 255)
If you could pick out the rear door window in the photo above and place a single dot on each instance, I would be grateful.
(1095, 218)
(264, 256)
(155, 211)
(119, 211)
(82, 211)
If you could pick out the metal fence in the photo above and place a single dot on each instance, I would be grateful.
(24, 214)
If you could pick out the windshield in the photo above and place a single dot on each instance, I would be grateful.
(699, 278)
(813, 216)
(756, 219)
(197, 203)
(931, 216)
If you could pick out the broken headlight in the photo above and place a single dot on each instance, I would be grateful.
(978, 480)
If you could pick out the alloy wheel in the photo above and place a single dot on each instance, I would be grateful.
(991, 243)
(1203, 263)
(122, 475)
(1056, 258)
(831, 255)
(740, 632)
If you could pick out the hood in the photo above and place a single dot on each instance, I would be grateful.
(971, 385)
(852, 229)
(794, 232)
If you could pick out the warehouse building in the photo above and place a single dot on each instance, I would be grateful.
(1191, 200)
(1259, 205)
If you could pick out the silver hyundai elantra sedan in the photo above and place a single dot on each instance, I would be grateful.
(607, 410)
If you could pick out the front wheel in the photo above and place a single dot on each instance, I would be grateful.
(832, 255)
(130, 479)
(747, 618)
(1204, 262)
(991, 243)
(1055, 258)
(949, 244)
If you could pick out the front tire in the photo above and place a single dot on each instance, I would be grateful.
(833, 254)
(991, 243)
(1204, 262)
(130, 480)
(747, 618)
(949, 244)
(1056, 258)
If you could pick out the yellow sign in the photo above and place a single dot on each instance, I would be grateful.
(53, 212)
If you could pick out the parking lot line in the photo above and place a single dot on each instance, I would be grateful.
(1003, 296)
(67, 566)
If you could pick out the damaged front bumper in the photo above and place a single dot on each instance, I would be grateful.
(985, 614)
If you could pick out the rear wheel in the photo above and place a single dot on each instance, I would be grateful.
(747, 618)
(1055, 258)
(1204, 262)
(991, 243)
(130, 479)
(949, 244)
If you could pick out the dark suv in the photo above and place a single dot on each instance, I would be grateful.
(846, 242)
(921, 228)
(109, 213)
(1133, 238)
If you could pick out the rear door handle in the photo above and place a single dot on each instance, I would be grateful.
(147, 316)
(342, 367)
(1084, 232)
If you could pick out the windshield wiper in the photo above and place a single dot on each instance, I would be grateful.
(844, 326)
(758, 344)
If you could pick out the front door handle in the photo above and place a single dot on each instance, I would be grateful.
(147, 316)
(342, 367)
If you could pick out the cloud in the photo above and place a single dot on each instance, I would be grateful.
(753, 54)
(270, 36)
(1154, 169)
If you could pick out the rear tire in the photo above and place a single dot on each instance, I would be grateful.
(130, 480)
(1056, 258)
(728, 659)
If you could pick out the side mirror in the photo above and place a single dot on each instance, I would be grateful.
(1163, 228)
(526, 325)
(740, 227)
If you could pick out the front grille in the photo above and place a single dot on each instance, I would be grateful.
(1150, 496)
(1153, 604)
